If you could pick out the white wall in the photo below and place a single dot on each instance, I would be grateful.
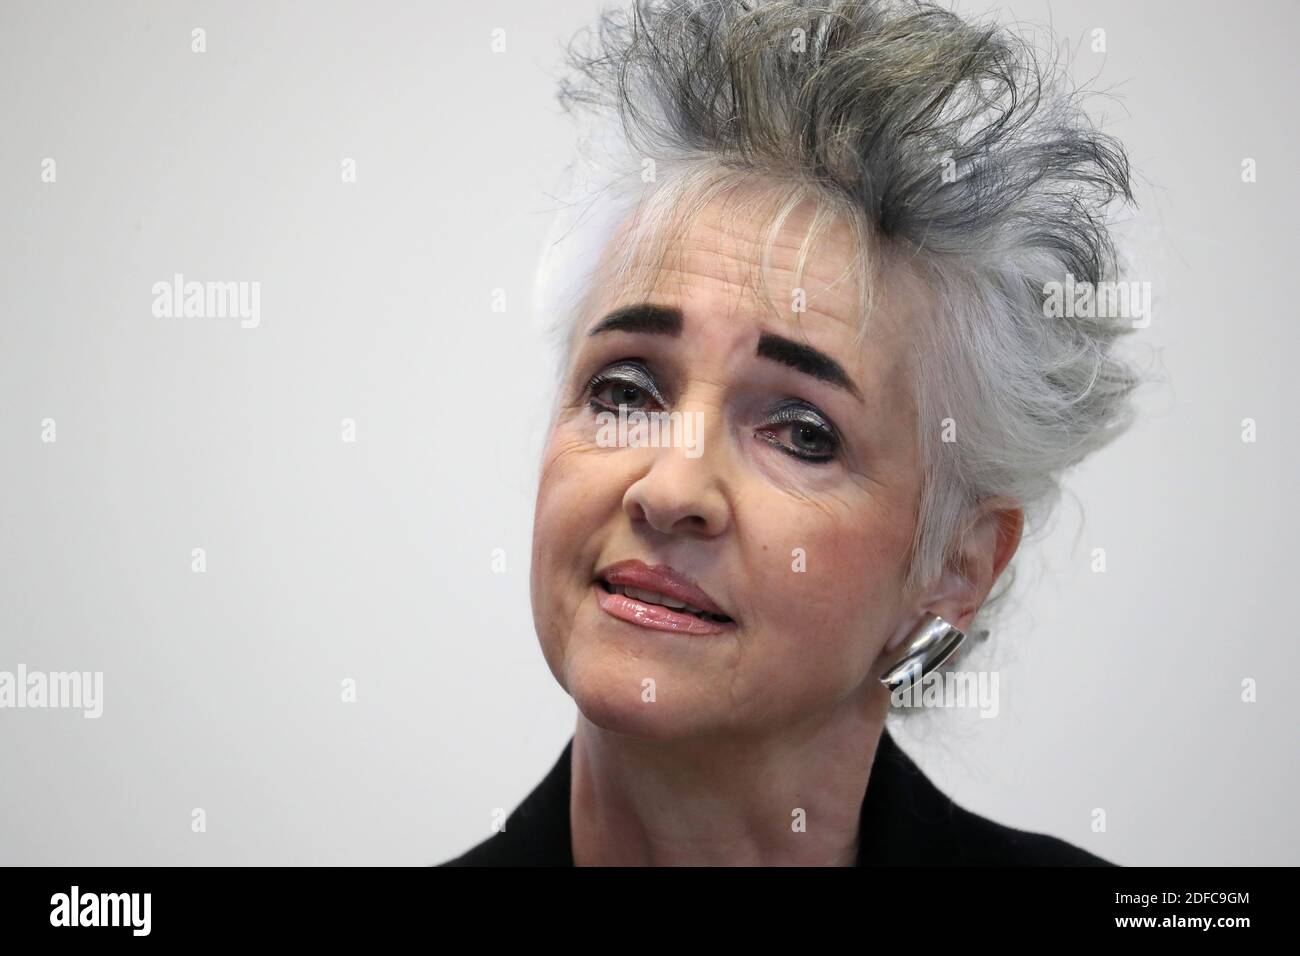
(371, 560)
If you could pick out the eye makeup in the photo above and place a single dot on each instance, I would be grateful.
(816, 439)
(624, 375)
(813, 438)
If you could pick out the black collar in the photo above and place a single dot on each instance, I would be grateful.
(905, 820)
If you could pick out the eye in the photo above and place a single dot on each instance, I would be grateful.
(627, 383)
(811, 437)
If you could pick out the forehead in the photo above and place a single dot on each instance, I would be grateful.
(712, 269)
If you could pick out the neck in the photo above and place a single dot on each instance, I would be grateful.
(792, 798)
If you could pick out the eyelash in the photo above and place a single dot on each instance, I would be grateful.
(790, 412)
(635, 375)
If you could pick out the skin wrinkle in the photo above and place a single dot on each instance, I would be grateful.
(712, 91)
(778, 712)
(947, 271)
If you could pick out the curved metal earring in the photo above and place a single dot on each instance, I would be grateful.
(930, 644)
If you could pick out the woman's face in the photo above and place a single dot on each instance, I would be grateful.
(788, 494)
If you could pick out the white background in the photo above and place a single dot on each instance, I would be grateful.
(372, 560)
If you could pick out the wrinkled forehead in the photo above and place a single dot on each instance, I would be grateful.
(775, 251)
(749, 259)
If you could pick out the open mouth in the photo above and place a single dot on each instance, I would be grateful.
(656, 599)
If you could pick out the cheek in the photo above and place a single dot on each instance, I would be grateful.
(833, 581)
(578, 488)
(556, 520)
(555, 526)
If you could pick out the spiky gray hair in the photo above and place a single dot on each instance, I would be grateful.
(862, 106)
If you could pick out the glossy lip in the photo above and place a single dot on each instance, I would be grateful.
(663, 580)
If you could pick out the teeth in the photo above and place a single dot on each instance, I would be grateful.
(654, 597)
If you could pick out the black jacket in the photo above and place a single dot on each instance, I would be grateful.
(905, 821)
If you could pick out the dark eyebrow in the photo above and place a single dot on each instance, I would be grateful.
(653, 319)
(806, 359)
(643, 317)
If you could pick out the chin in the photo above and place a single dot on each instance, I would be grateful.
(608, 686)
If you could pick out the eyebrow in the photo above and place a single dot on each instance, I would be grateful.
(644, 317)
(653, 319)
(806, 359)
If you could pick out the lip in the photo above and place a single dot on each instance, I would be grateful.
(663, 580)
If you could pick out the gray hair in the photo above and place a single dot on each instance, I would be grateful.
(862, 106)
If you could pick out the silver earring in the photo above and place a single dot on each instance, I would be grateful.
(930, 644)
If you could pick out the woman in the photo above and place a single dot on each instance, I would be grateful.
(810, 399)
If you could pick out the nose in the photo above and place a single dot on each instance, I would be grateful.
(683, 495)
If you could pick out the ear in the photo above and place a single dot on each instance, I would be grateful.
(995, 526)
